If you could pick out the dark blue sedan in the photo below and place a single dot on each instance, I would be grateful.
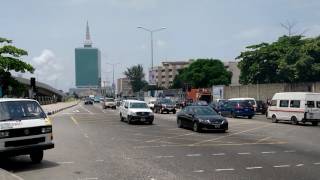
(236, 108)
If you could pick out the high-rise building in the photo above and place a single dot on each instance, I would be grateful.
(88, 64)
(124, 87)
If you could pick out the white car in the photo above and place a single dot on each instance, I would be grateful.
(25, 129)
(151, 104)
(136, 111)
(109, 103)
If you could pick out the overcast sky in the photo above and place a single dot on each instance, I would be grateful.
(50, 30)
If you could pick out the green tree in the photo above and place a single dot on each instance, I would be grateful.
(290, 59)
(10, 60)
(204, 73)
(136, 76)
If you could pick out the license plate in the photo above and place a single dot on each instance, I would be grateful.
(217, 126)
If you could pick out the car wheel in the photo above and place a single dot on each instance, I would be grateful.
(249, 117)
(36, 156)
(161, 112)
(150, 122)
(173, 112)
(233, 115)
(179, 123)
(196, 127)
(121, 118)
(129, 120)
(294, 120)
(314, 123)
(274, 119)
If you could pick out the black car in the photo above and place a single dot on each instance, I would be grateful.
(261, 107)
(164, 105)
(88, 101)
(201, 118)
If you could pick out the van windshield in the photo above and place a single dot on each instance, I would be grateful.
(20, 110)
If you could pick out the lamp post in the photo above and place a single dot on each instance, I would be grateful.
(151, 31)
(113, 64)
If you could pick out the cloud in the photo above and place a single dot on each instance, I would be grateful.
(136, 4)
(250, 33)
(161, 43)
(48, 70)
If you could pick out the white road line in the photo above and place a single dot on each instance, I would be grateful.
(289, 151)
(229, 169)
(317, 163)
(193, 155)
(244, 153)
(282, 166)
(86, 136)
(158, 157)
(12, 175)
(219, 154)
(66, 162)
(198, 171)
(299, 165)
(99, 160)
(256, 167)
(86, 109)
(268, 152)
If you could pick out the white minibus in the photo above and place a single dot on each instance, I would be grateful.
(295, 107)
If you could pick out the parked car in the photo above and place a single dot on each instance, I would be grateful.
(201, 118)
(261, 107)
(216, 105)
(200, 103)
(24, 129)
(164, 105)
(252, 101)
(136, 111)
(88, 101)
(235, 108)
(295, 107)
(109, 103)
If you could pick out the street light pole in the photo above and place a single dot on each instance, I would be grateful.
(151, 31)
(113, 85)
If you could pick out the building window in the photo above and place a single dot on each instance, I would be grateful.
(163, 82)
(170, 76)
(163, 76)
(163, 70)
(170, 70)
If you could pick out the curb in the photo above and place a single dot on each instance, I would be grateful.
(49, 113)
(6, 175)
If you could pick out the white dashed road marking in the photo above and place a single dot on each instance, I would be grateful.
(164, 157)
(193, 155)
(219, 154)
(99, 160)
(256, 167)
(244, 153)
(66, 162)
(282, 166)
(317, 163)
(268, 152)
(229, 169)
(198, 171)
(299, 165)
(289, 151)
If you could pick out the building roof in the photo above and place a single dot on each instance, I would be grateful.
(176, 62)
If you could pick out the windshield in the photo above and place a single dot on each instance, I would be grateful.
(109, 100)
(166, 101)
(204, 111)
(20, 110)
(138, 105)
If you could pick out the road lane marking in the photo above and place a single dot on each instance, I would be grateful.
(75, 121)
(263, 139)
(86, 109)
(170, 137)
(218, 154)
(228, 169)
(268, 152)
(289, 151)
(66, 162)
(193, 155)
(158, 157)
(317, 163)
(99, 160)
(12, 175)
(256, 167)
(241, 132)
(282, 166)
(299, 165)
(244, 153)
(198, 171)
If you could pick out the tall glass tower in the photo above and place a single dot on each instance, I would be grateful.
(88, 64)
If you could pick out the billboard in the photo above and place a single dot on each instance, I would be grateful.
(217, 92)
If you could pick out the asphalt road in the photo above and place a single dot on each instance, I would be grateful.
(92, 144)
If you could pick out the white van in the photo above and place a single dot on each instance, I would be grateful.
(252, 101)
(24, 129)
(295, 107)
